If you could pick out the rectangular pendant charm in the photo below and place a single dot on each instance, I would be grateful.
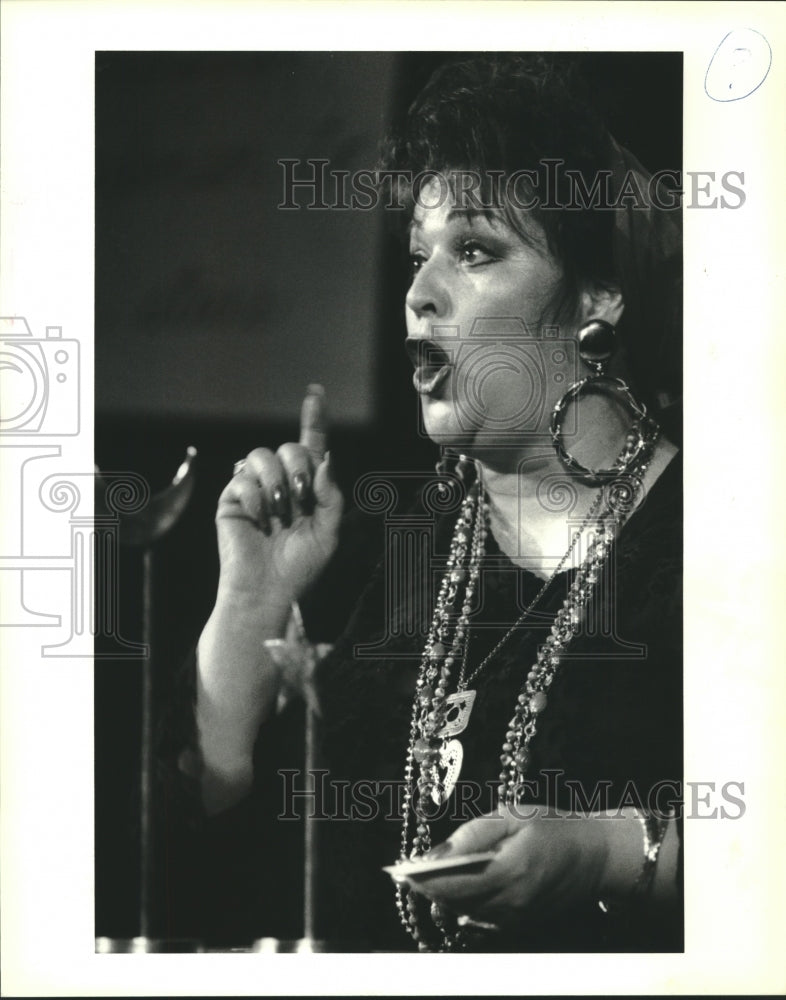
(458, 708)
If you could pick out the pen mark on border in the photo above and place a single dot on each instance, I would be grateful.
(739, 66)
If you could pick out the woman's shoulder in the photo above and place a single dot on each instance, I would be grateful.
(648, 557)
(655, 526)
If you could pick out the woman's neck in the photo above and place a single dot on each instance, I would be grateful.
(533, 508)
(535, 503)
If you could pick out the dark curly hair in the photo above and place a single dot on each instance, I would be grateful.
(503, 113)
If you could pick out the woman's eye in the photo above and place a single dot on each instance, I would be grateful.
(416, 261)
(474, 253)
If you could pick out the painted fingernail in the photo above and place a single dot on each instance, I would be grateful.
(315, 389)
(280, 506)
(299, 486)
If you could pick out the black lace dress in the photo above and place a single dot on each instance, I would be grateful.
(610, 736)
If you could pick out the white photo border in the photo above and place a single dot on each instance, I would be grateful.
(734, 359)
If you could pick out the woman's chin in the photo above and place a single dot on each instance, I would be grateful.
(441, 425)
(447, 439)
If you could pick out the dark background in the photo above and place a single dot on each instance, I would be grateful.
(214, 309)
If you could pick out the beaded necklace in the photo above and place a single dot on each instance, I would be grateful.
(438, 717)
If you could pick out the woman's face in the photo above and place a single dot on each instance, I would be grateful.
(489, 363)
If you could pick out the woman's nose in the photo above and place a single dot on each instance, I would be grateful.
(428, 294)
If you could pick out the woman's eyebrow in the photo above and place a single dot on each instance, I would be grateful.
(470, 214)
(466, 214)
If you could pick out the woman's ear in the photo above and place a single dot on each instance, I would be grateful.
(602, 302)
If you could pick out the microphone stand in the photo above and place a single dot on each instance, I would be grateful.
(141, 530)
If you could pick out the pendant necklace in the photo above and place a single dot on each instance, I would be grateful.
(438, 718)
(441, 717)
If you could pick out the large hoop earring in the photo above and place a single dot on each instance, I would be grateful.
(597, 343)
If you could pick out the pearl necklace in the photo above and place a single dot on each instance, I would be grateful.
(438, 718)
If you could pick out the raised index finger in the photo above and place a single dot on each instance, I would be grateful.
(313, 422)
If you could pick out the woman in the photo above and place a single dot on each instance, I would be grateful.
(534, 712)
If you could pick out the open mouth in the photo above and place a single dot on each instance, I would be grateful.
(432, 365)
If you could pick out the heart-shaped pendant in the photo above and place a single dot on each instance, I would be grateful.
(451, 757)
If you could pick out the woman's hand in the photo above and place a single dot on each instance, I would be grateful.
(546, 862)
(277, 524)
(278, 517)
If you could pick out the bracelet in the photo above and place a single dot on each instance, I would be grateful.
(653, 826)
